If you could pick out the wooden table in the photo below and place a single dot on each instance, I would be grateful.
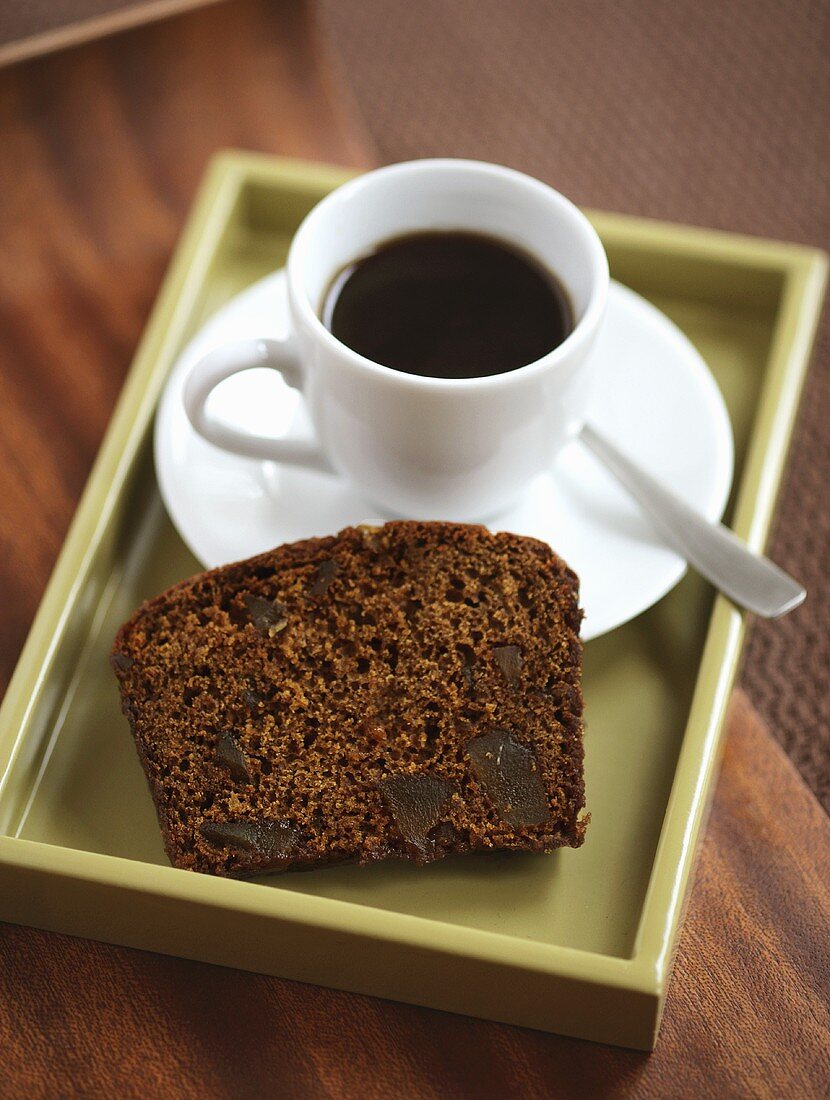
(101, 150)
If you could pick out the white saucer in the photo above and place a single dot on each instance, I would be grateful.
(654, 397)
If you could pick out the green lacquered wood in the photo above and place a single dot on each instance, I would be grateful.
(579, 942)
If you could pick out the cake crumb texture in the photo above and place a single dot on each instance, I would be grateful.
(404, 691)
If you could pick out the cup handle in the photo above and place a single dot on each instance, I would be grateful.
(230, 359)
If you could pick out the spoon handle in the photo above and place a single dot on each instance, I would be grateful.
(749, 580)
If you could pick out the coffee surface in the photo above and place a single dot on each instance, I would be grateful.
(448, 305)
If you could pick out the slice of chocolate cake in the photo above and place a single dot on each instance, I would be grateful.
(403, 691)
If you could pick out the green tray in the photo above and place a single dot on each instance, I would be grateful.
(579, 942)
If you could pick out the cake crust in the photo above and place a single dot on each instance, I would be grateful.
(408, 691)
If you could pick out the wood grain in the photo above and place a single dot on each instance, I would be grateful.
(29, 28)
(102, 151)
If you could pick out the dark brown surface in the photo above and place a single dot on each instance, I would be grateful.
(416, 692)
(24, 18)
(747, 1015)
(102, 150)
(714, 114)
(32, 27)
(448, 305)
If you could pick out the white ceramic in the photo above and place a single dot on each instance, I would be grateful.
(422, 447)
(654, 397)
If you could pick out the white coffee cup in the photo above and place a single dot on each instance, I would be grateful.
(426, 448)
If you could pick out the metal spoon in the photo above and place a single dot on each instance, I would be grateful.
(749, 580)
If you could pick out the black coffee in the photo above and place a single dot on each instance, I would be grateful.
(448, 305)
